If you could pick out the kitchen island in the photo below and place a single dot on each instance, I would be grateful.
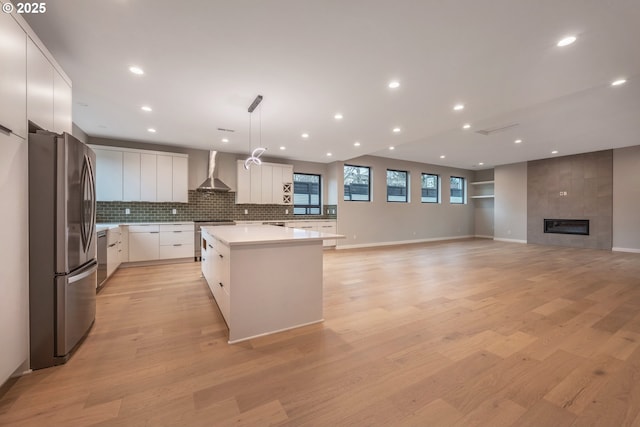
(264, 278)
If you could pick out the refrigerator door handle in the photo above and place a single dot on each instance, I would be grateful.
(87, 273)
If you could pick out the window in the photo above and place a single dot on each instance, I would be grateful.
(397, 186)
(357, 184)
(430, 190)
(306, 194)
(457, 190)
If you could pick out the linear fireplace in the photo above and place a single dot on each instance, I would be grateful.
(567, 226)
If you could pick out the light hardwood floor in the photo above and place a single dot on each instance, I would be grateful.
(466, 333)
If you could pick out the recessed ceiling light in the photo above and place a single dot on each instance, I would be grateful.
(554, 152)
(338, 116)
(392, 148)
(356, 144)
(225, 140)
(566, 41)
(136, 70)
(618, 82)
(329, 154)
(466, 126)
(394, 84)
(146, 108)
(517, 141)
(443, 156)
(152, 130)
(481, 164)
(283, 147)
(396, 130)
(305, 135)
(458, 107)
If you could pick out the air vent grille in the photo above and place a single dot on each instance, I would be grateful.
(225, 130)
(496, 129)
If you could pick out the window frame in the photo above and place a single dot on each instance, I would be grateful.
(406, 180)
(368, 184)
(308, 206)
(464, 190)
(437, 188)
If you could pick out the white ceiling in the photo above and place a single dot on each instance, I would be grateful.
(205, 61)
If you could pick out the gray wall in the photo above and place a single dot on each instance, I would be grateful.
(588, 181)
(379, 222)
(626, 199)
(510, 211)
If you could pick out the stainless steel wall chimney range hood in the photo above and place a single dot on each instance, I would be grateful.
(212, 183)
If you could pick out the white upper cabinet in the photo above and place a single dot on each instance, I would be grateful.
(141, 176)
(270, 183)
(131, 176)
(164, 179)
(39, 87)
(180, 179)
(109, 168)
(62, 104)
(13, 77)
(148, 170)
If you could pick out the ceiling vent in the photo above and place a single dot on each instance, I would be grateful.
(491, 131)
(225, 130)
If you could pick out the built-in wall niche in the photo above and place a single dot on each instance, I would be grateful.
(567, 226)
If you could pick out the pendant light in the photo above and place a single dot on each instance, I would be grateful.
(254, 158)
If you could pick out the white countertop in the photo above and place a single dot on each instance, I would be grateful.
(232, 235)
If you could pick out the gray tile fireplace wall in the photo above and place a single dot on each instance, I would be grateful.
(587, 181)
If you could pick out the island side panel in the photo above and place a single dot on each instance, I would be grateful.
(274, 287)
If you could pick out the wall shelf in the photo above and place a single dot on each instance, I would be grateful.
(482, 182)
(484, 196)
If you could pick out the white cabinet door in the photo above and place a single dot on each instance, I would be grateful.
(148, 172)
(108, 175)
(39, 87)
(256, 184)
(266, 178)
(131, 176)
(328, 227)
(243, 192)
(62, 104)
(164, 179)
(276, 185)
(180, 179)
(112, 258)
(144, 246)
(13, 76)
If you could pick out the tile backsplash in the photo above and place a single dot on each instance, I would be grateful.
(202, 205)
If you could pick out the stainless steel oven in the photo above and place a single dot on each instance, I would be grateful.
(102, 257)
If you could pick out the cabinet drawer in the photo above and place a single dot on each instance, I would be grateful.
(175, 237)
(176, 251)
(113, 235)
(177, 227)
(144, 228)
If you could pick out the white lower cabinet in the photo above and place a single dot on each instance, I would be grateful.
(149, 242)
(216, 269)
(113, 250)
(144, 242)
(176, 241)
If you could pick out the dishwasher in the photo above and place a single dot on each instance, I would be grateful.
(102, 258)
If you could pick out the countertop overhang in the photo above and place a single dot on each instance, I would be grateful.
(234, 235)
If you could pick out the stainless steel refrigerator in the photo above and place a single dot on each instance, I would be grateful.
(62, 246)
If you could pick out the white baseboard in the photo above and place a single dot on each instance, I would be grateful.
(632, 250)
(276, 331)
(498, 239)
(480, 236)
(401, 242)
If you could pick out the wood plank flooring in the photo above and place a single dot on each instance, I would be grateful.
(465, 333)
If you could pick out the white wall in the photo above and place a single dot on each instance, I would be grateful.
(510, 206)
(626, 199)
(380, 222)
(14, 253)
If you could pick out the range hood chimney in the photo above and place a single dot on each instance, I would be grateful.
(212, 183)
